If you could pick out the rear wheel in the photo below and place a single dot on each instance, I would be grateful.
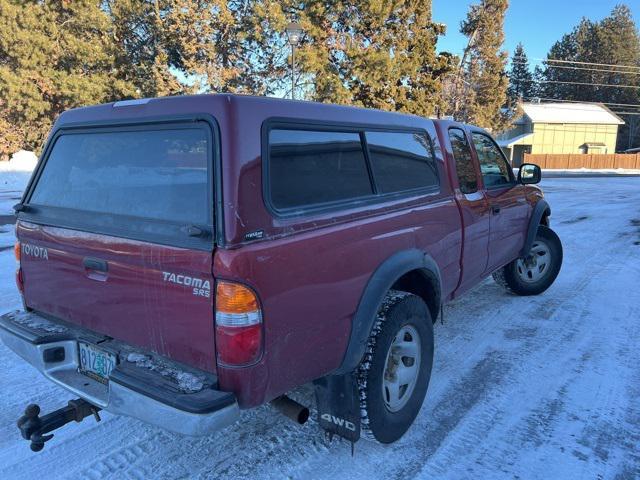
(534, 273)
(394, 374)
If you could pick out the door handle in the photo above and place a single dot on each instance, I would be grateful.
(495, 209)
(95, 264)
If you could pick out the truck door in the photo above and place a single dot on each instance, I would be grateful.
(474, 210)
(507, 202)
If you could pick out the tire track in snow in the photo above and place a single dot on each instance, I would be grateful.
(560, 304)
(491, 350)
(545, 345)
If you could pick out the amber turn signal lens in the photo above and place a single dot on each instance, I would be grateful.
(16, 251)
(235, 298)
(238, 325)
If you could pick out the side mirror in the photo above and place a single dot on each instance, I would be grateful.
(529, 174)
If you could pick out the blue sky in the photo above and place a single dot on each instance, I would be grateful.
(535, 23)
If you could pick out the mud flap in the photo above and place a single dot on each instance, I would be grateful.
(339, 405)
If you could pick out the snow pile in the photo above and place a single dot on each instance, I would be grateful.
(593, 171)
(23, 161)
(137, 358)
(35, 322)
(522, 387)
(15, 174)
(187, 382)
(608, 171)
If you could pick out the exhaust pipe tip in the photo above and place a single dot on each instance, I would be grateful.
(291, 409)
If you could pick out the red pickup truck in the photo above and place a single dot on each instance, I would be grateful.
(181, 259)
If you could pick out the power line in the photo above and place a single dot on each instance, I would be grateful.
(552, 60)
(632, 105)
(583, 68)
(591, 84)
(577, 62)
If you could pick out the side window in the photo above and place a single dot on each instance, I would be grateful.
(467, 177)
(401, 161)
(314, 167)
(495, 169)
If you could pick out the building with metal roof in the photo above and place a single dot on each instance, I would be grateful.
(561, 128)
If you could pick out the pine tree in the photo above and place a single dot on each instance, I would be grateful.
(182, 46)
(562, 81)
(376, 54)
(613, 43)
(146, 45)
(483, 69)
(520, 79)
(537, 87)
(54, 55)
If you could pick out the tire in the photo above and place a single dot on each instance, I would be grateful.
(532, 276)
(386, 418)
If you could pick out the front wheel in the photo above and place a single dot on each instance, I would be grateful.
(535, 272)
(394, 374)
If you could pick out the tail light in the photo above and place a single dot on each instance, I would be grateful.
(238, 325)
(17, 250)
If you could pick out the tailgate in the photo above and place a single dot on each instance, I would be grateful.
(115, 236)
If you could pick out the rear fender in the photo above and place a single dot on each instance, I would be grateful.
(379, 284)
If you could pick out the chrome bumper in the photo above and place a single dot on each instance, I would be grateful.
(132, 390)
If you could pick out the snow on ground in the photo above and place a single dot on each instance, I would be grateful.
(539, 387)
(607, 171)
(14, 176)
(15, 173)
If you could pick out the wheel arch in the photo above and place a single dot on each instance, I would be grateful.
(540, 216)
(411, 271)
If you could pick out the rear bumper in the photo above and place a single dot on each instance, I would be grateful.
(143, 386)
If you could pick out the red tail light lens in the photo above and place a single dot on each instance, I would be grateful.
(238, 325)
(17, 250)
(19, 280)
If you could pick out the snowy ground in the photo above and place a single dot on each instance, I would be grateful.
(522, 388)
(586, 171)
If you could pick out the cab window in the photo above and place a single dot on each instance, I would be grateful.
(465, 169)
(496, 171)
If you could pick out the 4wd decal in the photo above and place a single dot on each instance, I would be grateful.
(201, 288)
(35, 251)
(340, 422)
(338, 402)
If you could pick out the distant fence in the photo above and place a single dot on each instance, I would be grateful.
(581, 160)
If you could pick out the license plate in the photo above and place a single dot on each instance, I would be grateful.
(95, 362)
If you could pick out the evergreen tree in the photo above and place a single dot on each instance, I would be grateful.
(483, 69)
(144, 45)
(377, 54)
(613, 43)
(182, 46)
(520, 78)
(562, 80)
(537, 87)
(54, 55)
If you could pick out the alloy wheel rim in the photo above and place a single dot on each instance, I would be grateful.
(535, 265)
(401, 368)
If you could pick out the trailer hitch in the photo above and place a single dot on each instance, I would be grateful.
(35, 428)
